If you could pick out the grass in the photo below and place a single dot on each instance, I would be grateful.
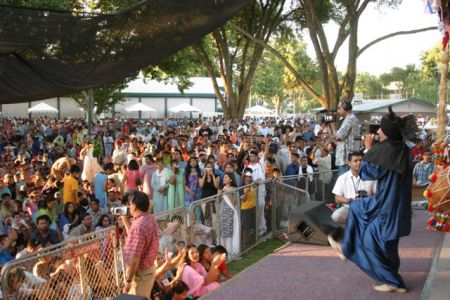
(254, 255)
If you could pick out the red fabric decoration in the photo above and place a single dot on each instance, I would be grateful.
(445, 40)
(430, 207)
(433, 177)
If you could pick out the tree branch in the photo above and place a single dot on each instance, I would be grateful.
(392, 35)
(302, 82)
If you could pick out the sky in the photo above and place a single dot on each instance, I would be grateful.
(398, 51)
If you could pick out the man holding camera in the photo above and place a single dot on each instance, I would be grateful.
(345, 136)
(141, 247)
(349, 187)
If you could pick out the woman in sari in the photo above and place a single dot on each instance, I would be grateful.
(229, 217)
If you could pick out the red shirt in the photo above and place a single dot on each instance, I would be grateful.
(142, 241)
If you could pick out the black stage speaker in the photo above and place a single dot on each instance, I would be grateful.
(129, 297)
(311, 223)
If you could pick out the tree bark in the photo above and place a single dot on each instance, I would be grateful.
(441, 110)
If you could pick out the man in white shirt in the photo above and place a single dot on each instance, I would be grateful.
(349, 187)
(258, 176)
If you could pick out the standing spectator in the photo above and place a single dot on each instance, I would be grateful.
(230, 224)
(131, 177)
(70, 190)
(146, 172)
(141, 247)
(258, 177)
(345, 136)
(192, 187)
(160, 187)
(248, 213)
(422, 171)
(175, 196)
(101, 183)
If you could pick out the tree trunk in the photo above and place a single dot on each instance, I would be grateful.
(441, 111)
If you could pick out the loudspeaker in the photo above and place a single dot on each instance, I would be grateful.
(311, 223)
(129, 297)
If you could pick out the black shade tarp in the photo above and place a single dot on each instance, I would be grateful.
(46, 53)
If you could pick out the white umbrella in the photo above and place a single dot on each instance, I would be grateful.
(184, 107)
(259, 110)
(139, 107)
(42, 108)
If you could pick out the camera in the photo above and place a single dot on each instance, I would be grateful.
(370, 129)
(328, 116)
(361, 194)
(120, 211)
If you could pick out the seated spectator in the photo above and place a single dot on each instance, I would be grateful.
(223, 267)
(43, 233)
(179, 291)
(8, 207)
(199, 281)
(95, 211)
(84, 228)
(422, 170)
(103, 222)
(5, 255)
(69, 219)
(33, 246)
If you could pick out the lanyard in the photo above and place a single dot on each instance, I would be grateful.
(356, 185)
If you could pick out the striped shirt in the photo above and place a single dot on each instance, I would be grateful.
(347, 132)
(142, 241)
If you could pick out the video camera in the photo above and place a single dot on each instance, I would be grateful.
(361, 194)
(120, 211)
(369, 129)
(328, 116)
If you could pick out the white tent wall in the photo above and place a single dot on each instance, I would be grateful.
(172, 102)
(120, 108)
(15, 110)
(157, 104)
(69, 108)
(205, 104)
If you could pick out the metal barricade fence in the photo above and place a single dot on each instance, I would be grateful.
(287, 196)
(88, 267)
(172, 228)
(318, 185)
(214, 219)
(91, 266)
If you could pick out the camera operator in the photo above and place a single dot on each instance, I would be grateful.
(349, 186)
(346, 135)
(141, 246)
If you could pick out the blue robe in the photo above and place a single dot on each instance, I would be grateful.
(376, 223)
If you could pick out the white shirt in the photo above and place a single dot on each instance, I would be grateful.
(347, 186)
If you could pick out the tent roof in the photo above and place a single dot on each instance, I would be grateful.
(139, 107)
(42, 107)
(366, 106)
(184, 107)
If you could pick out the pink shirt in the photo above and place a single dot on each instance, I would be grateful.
(131, 176)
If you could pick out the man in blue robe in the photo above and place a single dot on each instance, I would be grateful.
(376, 223)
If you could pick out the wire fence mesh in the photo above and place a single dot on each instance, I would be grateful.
(89, 267)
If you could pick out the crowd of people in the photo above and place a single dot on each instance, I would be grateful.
(58, 182)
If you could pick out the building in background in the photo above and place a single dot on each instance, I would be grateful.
(158, 95)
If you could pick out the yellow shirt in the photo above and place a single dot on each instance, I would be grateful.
(70, 185)
(251, 199)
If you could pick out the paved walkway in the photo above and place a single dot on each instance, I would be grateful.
(301, 271)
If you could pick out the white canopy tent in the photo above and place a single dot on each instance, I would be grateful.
(42, 107)
(259, 111)
(184, 107)
(140, 107)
